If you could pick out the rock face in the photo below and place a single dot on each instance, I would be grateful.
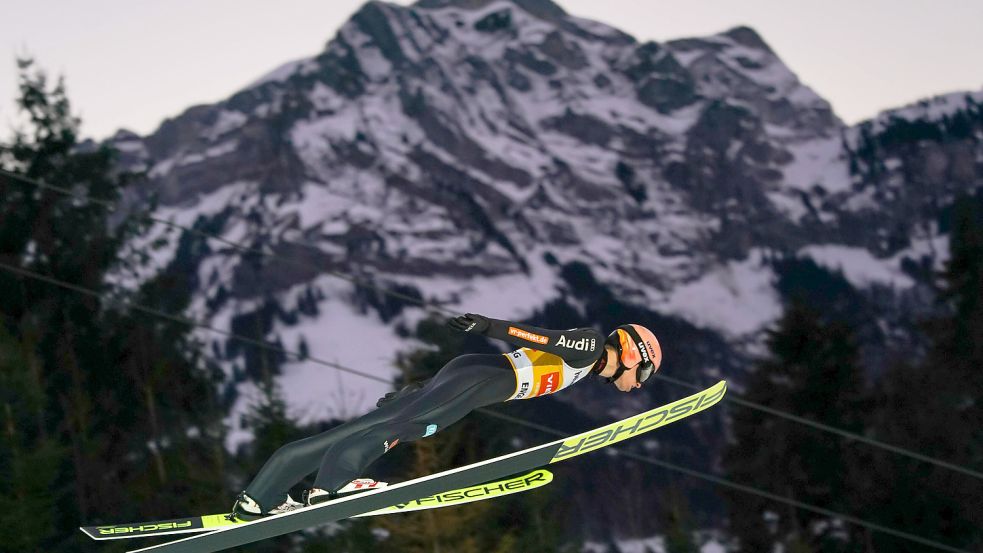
(504, 157)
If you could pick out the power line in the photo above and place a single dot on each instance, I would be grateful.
(832, 429)
(435, 308)
(181, 320)
(747, 489)
(543, 428)
(111, 207)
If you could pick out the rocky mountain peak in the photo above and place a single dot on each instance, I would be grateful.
(747, 36)
(455, 147)
(544, 9)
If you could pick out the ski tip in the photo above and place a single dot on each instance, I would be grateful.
(89, 533)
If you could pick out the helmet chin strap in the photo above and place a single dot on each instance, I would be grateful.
(602, 364)
(617, 374)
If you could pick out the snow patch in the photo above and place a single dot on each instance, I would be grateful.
(214, 151)
(340, 334)
(131, 146)
(713, 546)
(930, 109)
(817, 162)
(642, 545)
(858, 265)
(501, 297)
(737, 299)
(324, 98)
(373, 63)
(935, 248)
(227, 121)
(312, 138)
(656, 544)
(351, 339)
(791, 205)
(161, 241)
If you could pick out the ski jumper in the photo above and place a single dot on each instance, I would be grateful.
(547, 361)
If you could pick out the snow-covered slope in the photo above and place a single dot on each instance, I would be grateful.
(482, 154)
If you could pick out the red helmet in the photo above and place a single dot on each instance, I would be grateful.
(636, 345)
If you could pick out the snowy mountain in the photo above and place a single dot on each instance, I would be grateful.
(507, 158)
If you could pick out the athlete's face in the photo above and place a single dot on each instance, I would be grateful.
(628, 380)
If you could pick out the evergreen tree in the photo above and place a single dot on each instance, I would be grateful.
(458, 529)
(679, 525)
(536, 522)
(934, 407)
(112, 413)
(957, 350)
(812, 372)
(29, 459)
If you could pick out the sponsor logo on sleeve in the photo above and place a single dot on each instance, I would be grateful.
(389, 445)
(548, 383)
(431, 430)
(583, 344)
(526, 335)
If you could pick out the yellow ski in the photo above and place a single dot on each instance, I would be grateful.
(208, 523)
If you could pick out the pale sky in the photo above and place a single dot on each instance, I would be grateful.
(132, 63)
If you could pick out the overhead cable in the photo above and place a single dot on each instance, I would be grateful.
(734, 398)
(657, 462)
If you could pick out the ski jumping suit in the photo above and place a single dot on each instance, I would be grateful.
(548, 361)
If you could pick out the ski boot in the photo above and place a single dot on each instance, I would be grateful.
(314, 496)
(246, 509)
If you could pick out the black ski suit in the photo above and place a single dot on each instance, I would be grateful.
(549, 361)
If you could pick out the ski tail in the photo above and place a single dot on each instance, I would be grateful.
(195, 524)
(208, 523)
(188, 525)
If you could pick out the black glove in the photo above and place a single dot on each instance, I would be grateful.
(470, 323)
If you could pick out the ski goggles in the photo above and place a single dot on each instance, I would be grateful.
(645, 370)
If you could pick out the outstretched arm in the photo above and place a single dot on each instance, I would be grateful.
(579, 347)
